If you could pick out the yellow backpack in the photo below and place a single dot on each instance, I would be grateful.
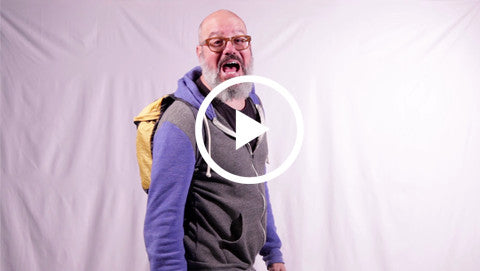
(147, 122)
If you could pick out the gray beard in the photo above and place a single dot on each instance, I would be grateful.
(238, 91)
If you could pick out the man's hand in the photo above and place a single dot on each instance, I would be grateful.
(277, 267)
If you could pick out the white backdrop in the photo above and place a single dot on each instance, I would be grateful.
(389, 174)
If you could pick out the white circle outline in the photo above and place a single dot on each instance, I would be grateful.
(298, 140)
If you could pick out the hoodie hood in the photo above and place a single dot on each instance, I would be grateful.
(187, 90)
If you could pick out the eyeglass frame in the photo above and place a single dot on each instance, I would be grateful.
(206, 42)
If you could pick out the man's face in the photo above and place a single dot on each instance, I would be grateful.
(220, 66)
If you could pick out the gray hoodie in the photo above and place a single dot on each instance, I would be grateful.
(196, 218)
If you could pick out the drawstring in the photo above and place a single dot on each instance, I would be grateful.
(209, 143)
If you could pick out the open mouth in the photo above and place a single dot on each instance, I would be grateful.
(231, 67)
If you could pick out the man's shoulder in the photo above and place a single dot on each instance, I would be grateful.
(181, 114)
(180, 110)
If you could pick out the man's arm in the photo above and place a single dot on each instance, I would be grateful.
(271, 250)
(172, 170)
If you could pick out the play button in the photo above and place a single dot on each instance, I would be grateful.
(247, 129)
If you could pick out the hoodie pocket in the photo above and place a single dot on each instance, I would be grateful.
(236, 230)
(238, 249)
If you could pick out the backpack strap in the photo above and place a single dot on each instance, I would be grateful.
(198, 156)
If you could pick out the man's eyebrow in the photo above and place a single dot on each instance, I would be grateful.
(220, 34)
(214, 34)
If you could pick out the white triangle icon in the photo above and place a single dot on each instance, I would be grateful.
(246, 129)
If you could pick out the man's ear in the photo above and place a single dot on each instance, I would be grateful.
(199, 51)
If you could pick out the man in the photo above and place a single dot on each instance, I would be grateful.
(196, 219)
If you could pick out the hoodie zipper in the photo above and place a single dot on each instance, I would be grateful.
(228, 131)
(249, 147)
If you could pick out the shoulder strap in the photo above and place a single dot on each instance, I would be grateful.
(198, 156)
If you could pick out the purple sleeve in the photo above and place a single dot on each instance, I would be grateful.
(172, 170)
(271, 250)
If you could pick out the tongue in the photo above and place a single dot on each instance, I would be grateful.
(228, 69)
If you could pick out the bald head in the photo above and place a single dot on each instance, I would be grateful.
(214, 23)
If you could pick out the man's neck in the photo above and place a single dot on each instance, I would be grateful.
(237, 104)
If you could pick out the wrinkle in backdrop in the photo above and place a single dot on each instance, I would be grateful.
(388, 176)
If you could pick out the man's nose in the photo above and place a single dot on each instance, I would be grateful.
(229, 48)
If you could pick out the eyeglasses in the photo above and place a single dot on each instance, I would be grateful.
(217, 44)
